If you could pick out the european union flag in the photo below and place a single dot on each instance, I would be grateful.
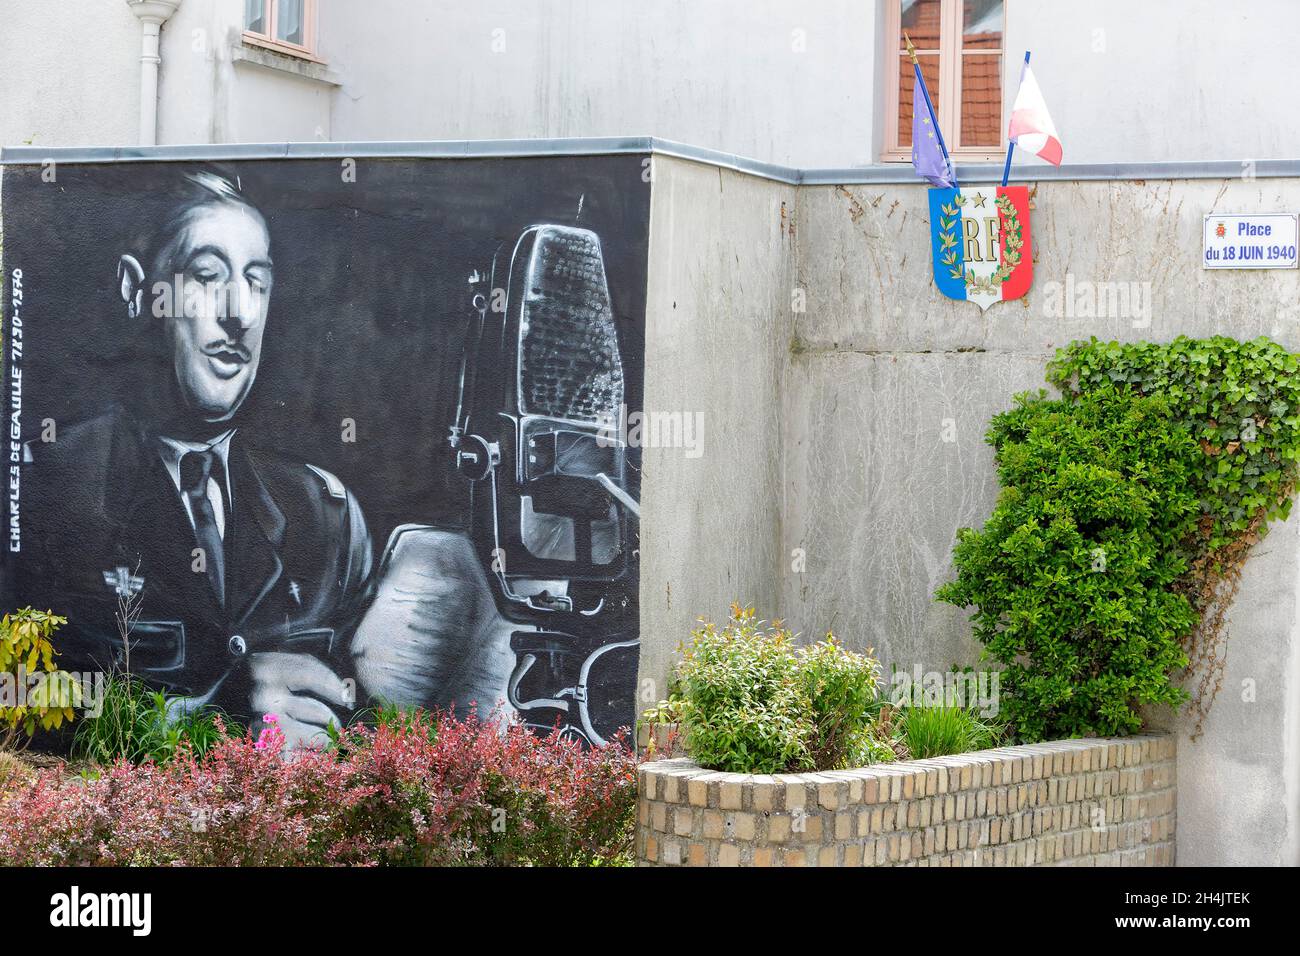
(928, 153)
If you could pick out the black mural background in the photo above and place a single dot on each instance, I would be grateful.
(369, 311)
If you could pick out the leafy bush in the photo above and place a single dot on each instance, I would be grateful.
(751, 702)
(741, 702)
(841, 690)
(1072, 574)
(887, 734)
(1241, 403)
(936, 731)
(139, 724)
(473, 793)
(27, 662)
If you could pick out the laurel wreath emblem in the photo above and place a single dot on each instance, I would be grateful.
(1011, 245)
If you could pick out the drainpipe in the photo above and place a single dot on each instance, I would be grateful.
(152, 15)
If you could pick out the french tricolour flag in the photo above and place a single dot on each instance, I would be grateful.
(1031, 127)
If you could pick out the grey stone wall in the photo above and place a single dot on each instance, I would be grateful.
(845, 444)
(717, 341)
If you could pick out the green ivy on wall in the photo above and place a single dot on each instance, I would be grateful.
(1197, 443)
(1241, 401)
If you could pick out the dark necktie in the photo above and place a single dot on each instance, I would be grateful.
(196, 468)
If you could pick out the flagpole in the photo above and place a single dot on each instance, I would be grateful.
(934, 121)
(1011, 143)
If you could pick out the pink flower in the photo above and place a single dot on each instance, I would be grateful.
(271, 737)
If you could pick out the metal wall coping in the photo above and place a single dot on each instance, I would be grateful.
(890, 173)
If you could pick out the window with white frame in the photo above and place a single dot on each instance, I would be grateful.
(287, 26)
(959, 45)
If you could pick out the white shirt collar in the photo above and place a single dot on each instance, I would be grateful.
(173, 449)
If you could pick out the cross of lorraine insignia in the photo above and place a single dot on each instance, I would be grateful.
(123, 582)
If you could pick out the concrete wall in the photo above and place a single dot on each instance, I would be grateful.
(717, 335)
(880, 394)
(214, 89)
(885, 366)
(302, 104)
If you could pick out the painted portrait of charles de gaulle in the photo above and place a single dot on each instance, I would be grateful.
(249, 567)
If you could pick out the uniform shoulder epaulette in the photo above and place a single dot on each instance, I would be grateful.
(332, 484)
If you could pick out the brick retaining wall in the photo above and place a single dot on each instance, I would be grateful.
(1097, 802)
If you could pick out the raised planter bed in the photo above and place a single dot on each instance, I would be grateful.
(1094, 802)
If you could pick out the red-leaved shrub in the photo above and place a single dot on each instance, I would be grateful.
(432, 790)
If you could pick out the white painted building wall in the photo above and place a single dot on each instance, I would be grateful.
(1126, 81)
(796, 82)
(723, 74)
(69, 73)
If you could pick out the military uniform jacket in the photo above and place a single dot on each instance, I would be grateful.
(101, 518)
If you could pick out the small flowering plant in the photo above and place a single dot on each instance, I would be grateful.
(271, 737)
(750, 700)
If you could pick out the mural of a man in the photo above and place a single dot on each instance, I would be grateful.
(250, 572)
(249, 567)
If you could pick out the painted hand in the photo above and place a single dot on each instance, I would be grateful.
(294, 687)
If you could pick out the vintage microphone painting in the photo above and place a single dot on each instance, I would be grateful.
(554, 516)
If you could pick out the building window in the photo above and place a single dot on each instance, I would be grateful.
(287, 26)
(959, 46)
